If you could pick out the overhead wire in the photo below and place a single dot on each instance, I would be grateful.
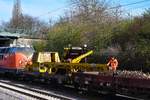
(60, 8)
(139, 7)
(143, 6)
(129, 4)
(124, 5)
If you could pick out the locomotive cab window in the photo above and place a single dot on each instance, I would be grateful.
(1, 56)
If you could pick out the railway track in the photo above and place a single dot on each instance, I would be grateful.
(44, 94)
(128, 97)
(32, 93)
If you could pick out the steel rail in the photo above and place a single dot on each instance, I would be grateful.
(41, 95)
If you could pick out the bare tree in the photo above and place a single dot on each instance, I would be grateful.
(25, 24)
(94, 18)
(16, 14)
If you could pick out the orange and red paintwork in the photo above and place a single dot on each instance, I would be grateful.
(13, 61)
(14, 58)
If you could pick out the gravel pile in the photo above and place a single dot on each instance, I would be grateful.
(127, 74)
(133, 74)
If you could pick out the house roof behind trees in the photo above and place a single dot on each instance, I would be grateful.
(8, 35)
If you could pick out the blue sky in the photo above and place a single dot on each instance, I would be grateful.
(34, 8)
(136, 9)
(40, 8)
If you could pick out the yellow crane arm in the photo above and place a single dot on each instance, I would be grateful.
(78, 59)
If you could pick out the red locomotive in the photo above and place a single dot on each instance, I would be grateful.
(15, 58)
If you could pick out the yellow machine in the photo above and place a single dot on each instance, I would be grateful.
(42, 60)
(48, 57)
(49, 62)
(78, 59)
